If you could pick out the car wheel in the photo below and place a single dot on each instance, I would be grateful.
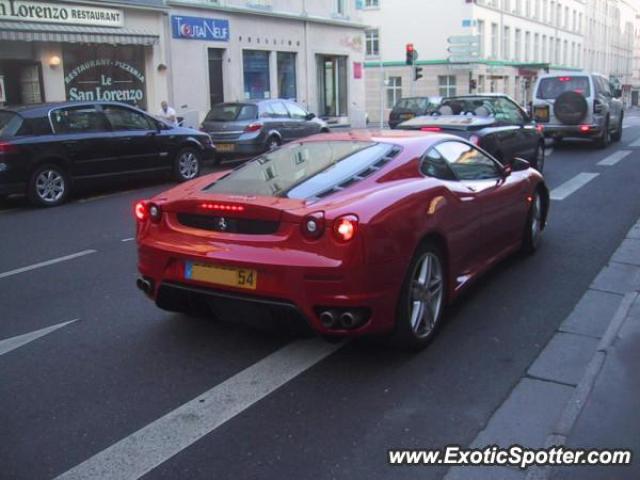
(605, 138)
(422, 298)
(273, 143)
(540, 158)
(532, 235)
(617, 135)
(48, 186)
(187, 164)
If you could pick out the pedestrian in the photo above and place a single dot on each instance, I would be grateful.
(167, 113)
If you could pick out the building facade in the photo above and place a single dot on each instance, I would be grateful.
(193, 53)
(518, 39)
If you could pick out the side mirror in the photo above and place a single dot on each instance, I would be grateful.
(310, 116)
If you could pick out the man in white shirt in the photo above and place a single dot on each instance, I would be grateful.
(167, 113)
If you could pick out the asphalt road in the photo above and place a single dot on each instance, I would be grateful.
(125, 365)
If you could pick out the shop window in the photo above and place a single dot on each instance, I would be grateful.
(287, 75)
(332, 83)
(256, 74)
(78, 120)
(394, 91)
(447, 85)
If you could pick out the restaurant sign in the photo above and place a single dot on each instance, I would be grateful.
(57, 12)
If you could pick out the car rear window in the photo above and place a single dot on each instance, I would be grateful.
(413, 103)
(9, 123)
(302, 170)
(232, 112)
(552, 87)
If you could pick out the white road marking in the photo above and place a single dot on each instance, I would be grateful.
(142, 451)
(571, 186)
(16, 342)
(128, 239)
(46, 263)
(613, 158)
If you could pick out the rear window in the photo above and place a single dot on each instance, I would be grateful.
(413, 103)
(302, 170)
(552, 87)
(9, 123)
(231, 112)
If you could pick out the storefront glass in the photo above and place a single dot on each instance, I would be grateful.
(332, 80)
(105, 72)
(256, 74)
(287, 75)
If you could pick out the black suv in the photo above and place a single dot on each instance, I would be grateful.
(46, 148)
(252, 127)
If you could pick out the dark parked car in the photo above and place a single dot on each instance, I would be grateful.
(494, 122)
(407, 108)
(243, 129)
(45, 149)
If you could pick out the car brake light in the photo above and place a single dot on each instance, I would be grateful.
(540, 128)
(253, 127)
(564, 79)
(222, 207)
(313, 225)
(584, 128)
(431, 129)
(345, 228)
(7, 148)
(140, 211)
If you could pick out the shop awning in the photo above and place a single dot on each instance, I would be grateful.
(40, 32)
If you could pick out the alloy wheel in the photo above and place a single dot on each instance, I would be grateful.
(426, 295)
(188, 165)
(50, 186)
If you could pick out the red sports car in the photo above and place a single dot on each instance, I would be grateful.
(353, 233)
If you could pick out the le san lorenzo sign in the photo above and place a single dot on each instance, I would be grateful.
(59, 12)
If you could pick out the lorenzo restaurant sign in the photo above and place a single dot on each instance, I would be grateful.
(57, 12)
(199, 28)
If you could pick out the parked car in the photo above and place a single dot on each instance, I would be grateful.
(345, 231)
(494, 122)
(578, 106)
(46, 149)
(407, 108)
(244, 129)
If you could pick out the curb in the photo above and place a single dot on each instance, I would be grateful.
(574, 406)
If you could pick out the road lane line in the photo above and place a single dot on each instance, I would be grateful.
(16, 342)
(571, 186)
(130, 239)
(46, 263)
(142, 451)
(614, 158)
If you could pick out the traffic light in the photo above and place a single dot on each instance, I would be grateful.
(410, 51)
(417, 73)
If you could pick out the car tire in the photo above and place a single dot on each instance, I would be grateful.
(605, 138)
(617, 135)
(532, 235)
(187, 165)
(539, 158)
(273, 142)
(422, 299)
(48, 186)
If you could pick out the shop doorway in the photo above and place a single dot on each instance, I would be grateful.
(216, 85)
(332, 83)
(22, 81)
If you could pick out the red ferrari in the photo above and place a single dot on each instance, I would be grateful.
(353, 233)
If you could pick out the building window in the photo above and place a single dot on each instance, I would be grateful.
(558, 51)
(506, 44)
(536, 47)
(372, 42)
(447, 85)
(394, 91)
(287, 75)
(494, 40)
(340, 7)
(565, 60)
(544, 57)
(371, 3)
(518, 52)
(481, 35)
(256, 74)
(527, 46)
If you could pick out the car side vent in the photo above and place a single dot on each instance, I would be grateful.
(362, 174)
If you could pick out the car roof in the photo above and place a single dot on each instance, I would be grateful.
(43, 109)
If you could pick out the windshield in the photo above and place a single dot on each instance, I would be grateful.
(9, 123)
(553, 87)
(231, 112)
(301, 170)
(479, 106)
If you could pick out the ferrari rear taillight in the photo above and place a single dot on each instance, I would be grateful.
(431, 129)
(140, 211)
(253, 127)
(144, 211)
(222, 207)
(345, 228)
(312, 225)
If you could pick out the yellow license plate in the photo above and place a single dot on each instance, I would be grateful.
(228, 276)
(541, 114)
(225, 147)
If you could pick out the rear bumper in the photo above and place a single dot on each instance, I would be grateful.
(577, 131)
(291, 283)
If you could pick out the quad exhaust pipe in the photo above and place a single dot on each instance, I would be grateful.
(328, 319)
(348, 320)
(144, 285)
(340, 319)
